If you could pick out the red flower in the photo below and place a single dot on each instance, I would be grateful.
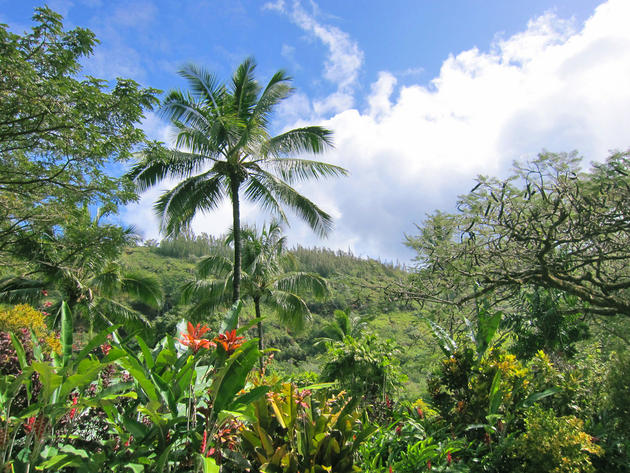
(420, 413)
(390, 469)
(28, 425)
(204, 442)
(229, 341)
(73, 411)
(105, 347)
(429, 465)
(193, 338)
(449, 459)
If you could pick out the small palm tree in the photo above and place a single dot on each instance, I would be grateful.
(265, 280)
(224, 149)
(70, 267)
(342, 326)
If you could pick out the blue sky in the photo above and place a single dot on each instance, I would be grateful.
(422, 95)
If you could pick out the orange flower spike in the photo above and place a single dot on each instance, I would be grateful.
(229, 341)
(193, 338)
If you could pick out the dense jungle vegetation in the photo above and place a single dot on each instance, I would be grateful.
(502, 348)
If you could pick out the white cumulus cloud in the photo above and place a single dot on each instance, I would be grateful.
(553, 86)
(556, 85)
(343, 61)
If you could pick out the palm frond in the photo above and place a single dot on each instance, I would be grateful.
(291, 308)
(206, 296)
(277, 89)
(18, 290)
(214, 265)
(196, 141)
(295, 170)
(244, 89)
(177, 207)
(179, 106)
(317, 219)
(310, 139)
(257, 192)
(205, 86)
(143, 287)
(159, 163)
(300, 282)
(112, 310)
(108, 280)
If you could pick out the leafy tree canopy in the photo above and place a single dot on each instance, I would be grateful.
(58, 131)
(549, 225)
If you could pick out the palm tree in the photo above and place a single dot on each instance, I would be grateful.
(342, 326)
(79, 266)
(224, 149)
(265, 280)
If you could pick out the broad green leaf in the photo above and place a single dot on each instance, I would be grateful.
(487, 326)
(230, 320)
(140, 376)
(231, 378)
(210, 466)
(496, 396)
(96, 341)
(19, 350)
(66, 334)
(48, 377)
(251, 396)
(87, 371)
(146, 353)
(540, 395)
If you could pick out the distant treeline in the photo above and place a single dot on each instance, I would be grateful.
(189, 245)
(323, 261)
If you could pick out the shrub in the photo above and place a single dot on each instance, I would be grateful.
(552, 444)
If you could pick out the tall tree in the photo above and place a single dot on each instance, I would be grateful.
(58, 131)
(224, 149)
(268, 279)
(548, 226)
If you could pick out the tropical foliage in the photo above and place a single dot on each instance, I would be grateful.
(512, 329)
(267, 280)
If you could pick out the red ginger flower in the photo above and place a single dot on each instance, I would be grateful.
(73, 411)
(204, 443)
(28, 425)
(229, 341)
(193, 338)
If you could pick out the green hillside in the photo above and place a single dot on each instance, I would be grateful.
(358, 286)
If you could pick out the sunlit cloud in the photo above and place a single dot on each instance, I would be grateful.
(412, 149)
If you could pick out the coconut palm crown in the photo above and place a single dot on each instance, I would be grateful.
(223, 148)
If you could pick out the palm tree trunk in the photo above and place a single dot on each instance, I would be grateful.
(260, 332)
(236, 229)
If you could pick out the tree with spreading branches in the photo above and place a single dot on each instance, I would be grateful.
(550, 225)
(59, 130)
(224, 149)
